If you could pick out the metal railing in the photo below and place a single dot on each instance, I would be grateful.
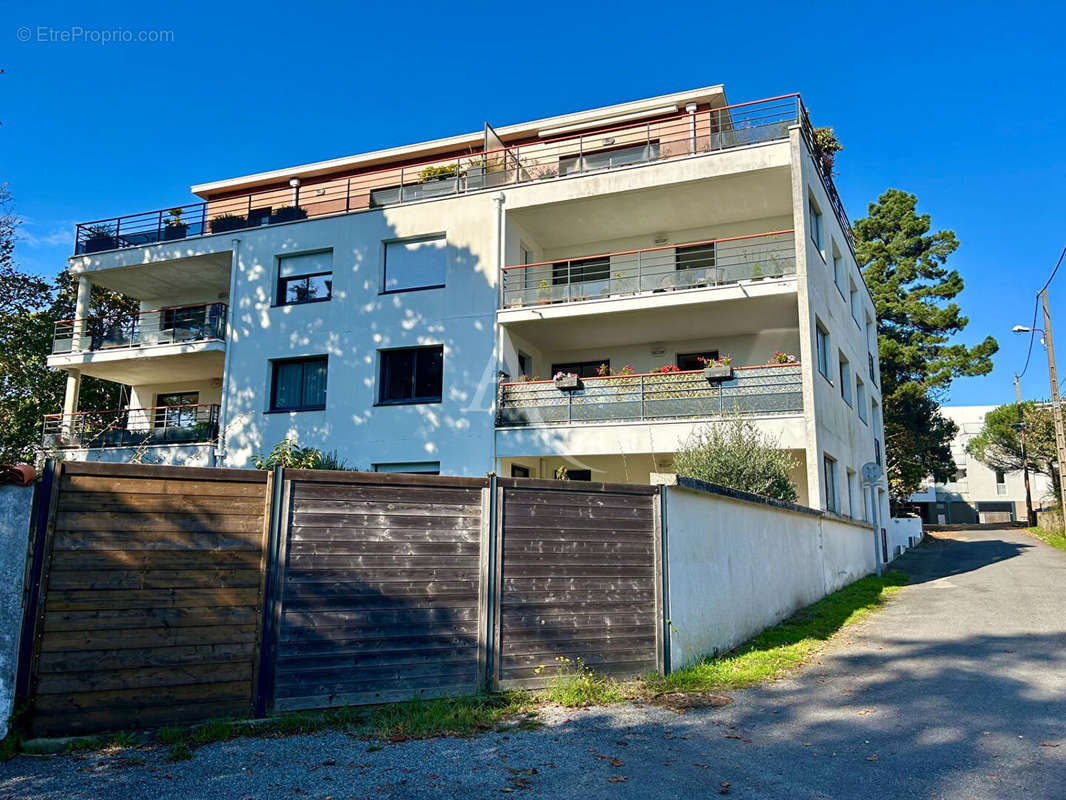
(772, 389)
(175, 325)
(691, 265)
(132, 427)
(674, 135)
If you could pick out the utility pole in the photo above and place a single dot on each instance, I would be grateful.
(1029, 515)
(1056, 404)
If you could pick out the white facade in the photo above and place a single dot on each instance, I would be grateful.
(697, 228)
(976, 492)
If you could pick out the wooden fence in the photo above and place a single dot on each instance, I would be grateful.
(176, 594)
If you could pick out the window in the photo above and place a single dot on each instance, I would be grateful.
(567, 474)
(188, 323)
(832, 499)
(815, 215)
(854, 504)
(416, 264)
(412, 375)
(860, 398)
(583, 369)
(839, 269)
(518, 471)
(687, 361)
(696, 256)
(298, 384)
(1001, 482)
(821, 343)
(845, 379)
(855, 305)
(305, 278)
(410, 467)
(580, 270)
(176, 410)
(877, 451)
(525, 364)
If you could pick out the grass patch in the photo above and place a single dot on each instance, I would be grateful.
(1053, 538)
(787, 645)
(574, 684)
(179, 752)
(459, 716)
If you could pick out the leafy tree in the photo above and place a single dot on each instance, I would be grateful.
(904, 265)
(29, 308)
(733, 452)
(999, 445)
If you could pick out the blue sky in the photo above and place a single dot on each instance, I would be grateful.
(959, 103)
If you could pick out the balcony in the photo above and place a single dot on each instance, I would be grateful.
(163, 326)
(676, 135)
(132, 427)
(767, 390)
(691, 265)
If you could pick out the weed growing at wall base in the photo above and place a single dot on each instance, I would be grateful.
(1053, 538)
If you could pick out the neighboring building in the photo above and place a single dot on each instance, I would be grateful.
(421, 283)
(976, 492)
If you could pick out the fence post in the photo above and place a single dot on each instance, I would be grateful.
(270, 608)
(662, 585)
(486, 654)
(42, 518)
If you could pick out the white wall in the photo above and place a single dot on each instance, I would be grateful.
(900, 531)
(16, 505)
(737, 567)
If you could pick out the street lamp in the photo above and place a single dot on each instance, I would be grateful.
(1056, 405)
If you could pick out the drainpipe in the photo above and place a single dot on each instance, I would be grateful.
(218, 455)
(691, 109)
(498, 200)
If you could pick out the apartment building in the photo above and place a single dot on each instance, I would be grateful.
(410, 308)
(976, 492)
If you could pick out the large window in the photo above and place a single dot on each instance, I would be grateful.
(298, 384)
(687, 361)
(856, 307)
(860, 398)
(416, 264)
(821, 344)
(695, 256)
(412, 375)
(581, 270)
(832, 496)
(305, 278)
(176, 410)
(584, 369)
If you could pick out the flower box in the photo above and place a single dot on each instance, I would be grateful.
(718, 374)
(566, 382)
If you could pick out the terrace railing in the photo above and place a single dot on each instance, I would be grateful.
(773, 389)
(132, 427)
(176, 325)
(692, 265)
(672, 136)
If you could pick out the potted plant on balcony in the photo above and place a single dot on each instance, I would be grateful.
(717, 370)
(228, 222)
(287, 214)
(99, 238)
(437, 181)
(175, 227)
(543, 293)
(782, 358)
(566, 381)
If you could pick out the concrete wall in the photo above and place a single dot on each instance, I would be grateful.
(16, 503)
(900, 532)
(737, 566)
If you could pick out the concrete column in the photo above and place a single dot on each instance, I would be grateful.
(81, 312)
(70, 398)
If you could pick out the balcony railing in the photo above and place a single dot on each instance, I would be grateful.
(132, 427)
(177, 325)
(692, 265)
(772, 389)
(673, 136)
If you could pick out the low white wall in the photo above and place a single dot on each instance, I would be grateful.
(737, 566)
(900, 531)
(16, 504)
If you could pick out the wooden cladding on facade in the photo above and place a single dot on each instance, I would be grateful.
(151, 597)
(578, 580)
(176, 594)
(380, 591)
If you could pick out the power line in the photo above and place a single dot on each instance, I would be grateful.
(1036, 309)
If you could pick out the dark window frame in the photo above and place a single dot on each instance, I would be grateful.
(581, 270)
(304, 362)
(160, 419)
(283, 284)
(577, 366)
(710, 354)
(519, 471)
(383, 382)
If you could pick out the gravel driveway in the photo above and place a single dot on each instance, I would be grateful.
(956, 690)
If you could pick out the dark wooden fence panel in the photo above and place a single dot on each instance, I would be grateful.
(580, 578)
(151, 597)
(381, 591)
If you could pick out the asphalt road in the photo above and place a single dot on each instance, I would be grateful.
(956, 690)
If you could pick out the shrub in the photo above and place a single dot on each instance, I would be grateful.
(733, 452)
(228, 222)
(290, 455)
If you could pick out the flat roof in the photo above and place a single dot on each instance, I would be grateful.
(715, 95)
